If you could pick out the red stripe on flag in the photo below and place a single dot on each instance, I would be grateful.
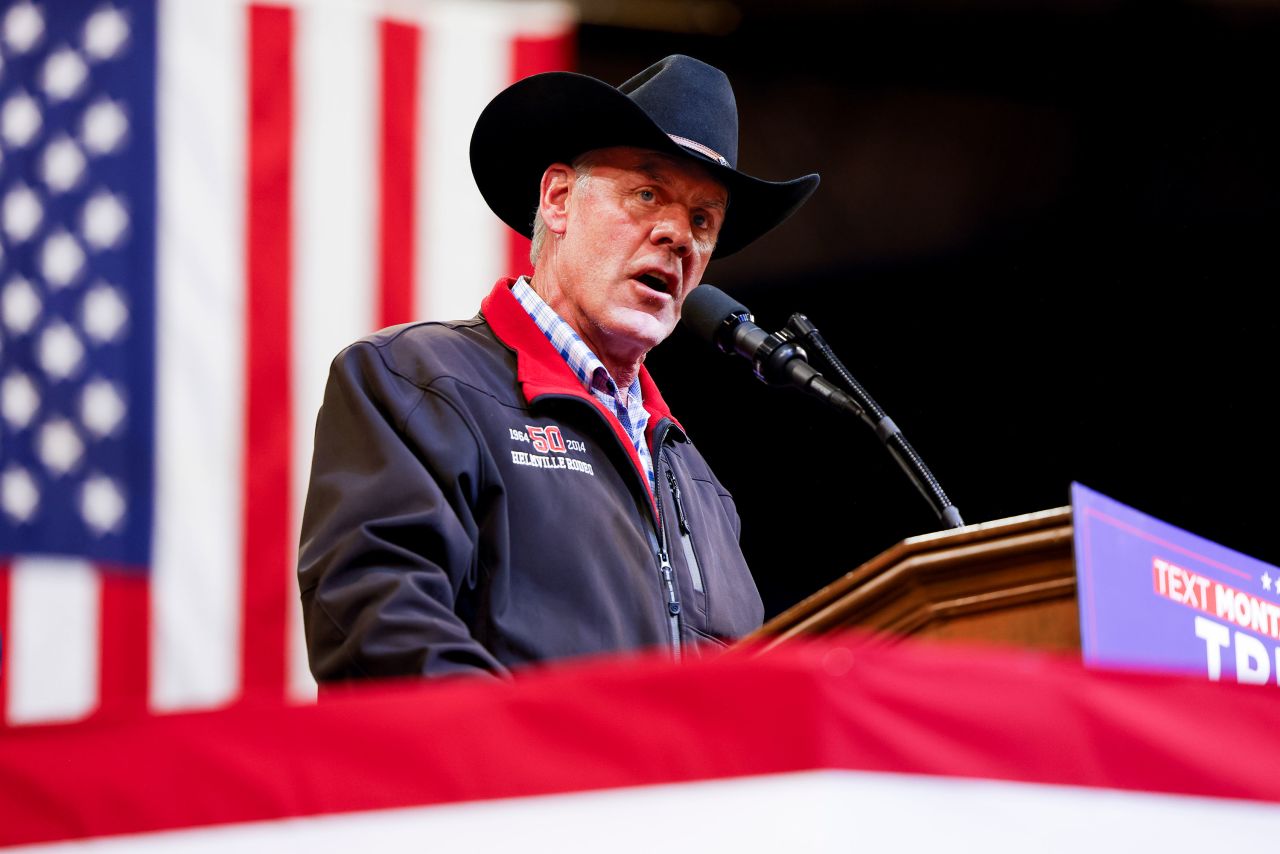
(534, 55)
(267, 546)
(401, 46)
(5, 656)
(125, 641)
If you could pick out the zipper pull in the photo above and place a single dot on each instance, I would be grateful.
(675, 491)
(668, 579)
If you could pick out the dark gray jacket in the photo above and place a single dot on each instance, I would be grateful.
(473, 508)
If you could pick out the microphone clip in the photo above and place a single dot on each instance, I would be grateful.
(773, 358)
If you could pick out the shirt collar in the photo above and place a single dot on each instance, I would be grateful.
(584, 363)
(539, 369)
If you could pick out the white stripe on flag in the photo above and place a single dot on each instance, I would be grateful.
(200, 270)
(815, 811)
(54, 620)
(335, 291)
(537, 18)
(461, 245)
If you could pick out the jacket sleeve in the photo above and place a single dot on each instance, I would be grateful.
(388, 537)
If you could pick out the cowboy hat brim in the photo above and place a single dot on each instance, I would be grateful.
(556, 116)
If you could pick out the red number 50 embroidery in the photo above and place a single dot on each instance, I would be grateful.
(546, 439)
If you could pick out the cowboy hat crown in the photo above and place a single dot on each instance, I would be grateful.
(679, 105)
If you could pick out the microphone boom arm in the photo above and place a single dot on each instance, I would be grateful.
(800, 327)
(779, 359)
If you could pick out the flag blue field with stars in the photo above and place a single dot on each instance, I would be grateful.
(77, 279)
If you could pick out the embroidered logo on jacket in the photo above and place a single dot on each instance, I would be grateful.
(550, 449)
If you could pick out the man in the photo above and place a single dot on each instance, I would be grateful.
(512, 489)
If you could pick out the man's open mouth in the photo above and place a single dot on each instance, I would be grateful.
(656, 282)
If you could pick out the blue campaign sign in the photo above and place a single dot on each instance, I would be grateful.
(1156, 597)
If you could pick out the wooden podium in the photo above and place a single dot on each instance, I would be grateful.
(1010, 582)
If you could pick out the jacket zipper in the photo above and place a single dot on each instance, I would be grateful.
(673, 602)
(664, 559)
(665, 570)
(686, 535)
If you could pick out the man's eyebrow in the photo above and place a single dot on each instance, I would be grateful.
(653, 170)
(656, 171)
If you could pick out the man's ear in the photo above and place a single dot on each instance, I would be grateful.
(553, 196)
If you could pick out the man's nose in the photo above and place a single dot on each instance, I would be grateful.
(674, 230)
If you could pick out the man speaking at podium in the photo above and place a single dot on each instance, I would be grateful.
(510, 489)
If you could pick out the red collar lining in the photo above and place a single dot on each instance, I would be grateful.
(540, 369)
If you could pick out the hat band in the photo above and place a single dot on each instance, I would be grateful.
(699, 147)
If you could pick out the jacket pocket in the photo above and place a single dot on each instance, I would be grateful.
(730, 603)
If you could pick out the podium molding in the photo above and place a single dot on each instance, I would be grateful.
(1010, 581)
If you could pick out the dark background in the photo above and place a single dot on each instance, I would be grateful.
(1043, 243)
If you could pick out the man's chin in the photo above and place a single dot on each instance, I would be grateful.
(641, 329)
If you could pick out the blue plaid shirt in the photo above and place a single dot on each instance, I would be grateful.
(591, 372)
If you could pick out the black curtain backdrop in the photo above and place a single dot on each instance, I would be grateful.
(1043, 243)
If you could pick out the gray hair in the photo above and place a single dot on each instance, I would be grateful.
(582, 165)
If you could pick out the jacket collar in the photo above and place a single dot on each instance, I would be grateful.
(540, 369)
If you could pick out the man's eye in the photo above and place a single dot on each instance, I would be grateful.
(702, 220)
(646, 195)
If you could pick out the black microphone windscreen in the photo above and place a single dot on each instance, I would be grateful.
(705, 310)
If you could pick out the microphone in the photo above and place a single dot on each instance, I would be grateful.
(718, 318)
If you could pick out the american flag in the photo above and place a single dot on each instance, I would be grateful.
(201, 202)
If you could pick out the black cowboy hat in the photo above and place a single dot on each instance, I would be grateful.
(678, 106)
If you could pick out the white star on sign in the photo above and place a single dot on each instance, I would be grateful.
(1266, 581)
